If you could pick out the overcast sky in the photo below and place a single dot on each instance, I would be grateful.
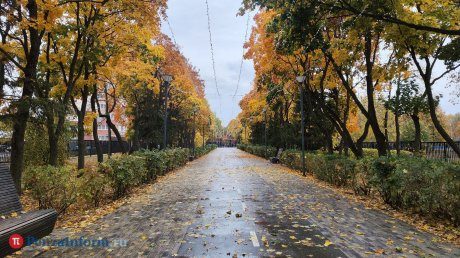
(189, 23)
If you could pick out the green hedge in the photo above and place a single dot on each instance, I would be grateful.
(125, 172)
(60, 187)
(427, 187)
(375, 153)
(258, 150)
(201, 151)
(52, 187)
(158, 163)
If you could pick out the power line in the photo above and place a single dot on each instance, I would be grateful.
(230, 95)
(172, 32)
(212, 47)
(242, 57)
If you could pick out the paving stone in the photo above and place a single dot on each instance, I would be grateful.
(185, 215)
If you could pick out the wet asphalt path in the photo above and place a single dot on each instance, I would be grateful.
(232, 204)
(238, 217)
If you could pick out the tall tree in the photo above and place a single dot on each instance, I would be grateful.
(28, 23)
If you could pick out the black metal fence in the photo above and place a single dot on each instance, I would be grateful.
(115, 147)
(5, 149)
(90, 146)
(5, 157)
(431, 150)
(223, 143)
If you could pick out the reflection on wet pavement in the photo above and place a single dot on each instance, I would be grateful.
(232, 204)
(238, 219)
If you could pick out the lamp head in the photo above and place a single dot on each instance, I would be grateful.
(301, 79)
(167, 78)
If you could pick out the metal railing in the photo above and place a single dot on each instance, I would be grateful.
(431, 150)
(221, 143)
(115, 147)
(5, 154)
(5, 157)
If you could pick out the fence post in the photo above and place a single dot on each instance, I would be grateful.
(445, 151)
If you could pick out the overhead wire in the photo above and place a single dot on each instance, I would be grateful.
(212, 47)
(242, 57)
(171, 31)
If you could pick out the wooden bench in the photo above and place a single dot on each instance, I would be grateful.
(276, 160)
(32, 225)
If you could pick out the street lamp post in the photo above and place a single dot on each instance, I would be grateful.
(301, 80)
(109, 130)
(210, 129)
(250, 123)
(167, 81)
(195, 109)
(245, 136)
(265, 131)
(203, 133)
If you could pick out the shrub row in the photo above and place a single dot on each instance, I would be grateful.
(201, 151)
(375, 153)
(61, 187)
(158, 163)
(258, 150)
(427, 187)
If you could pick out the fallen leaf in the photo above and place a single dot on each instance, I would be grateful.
(380, 251)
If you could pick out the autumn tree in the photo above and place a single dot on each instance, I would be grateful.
(412, 103)
(426, 50)
(352, 36)
(300, 42)
(401, 13)
(24, 24)
(58, 59)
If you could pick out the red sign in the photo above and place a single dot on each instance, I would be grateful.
(16, 241)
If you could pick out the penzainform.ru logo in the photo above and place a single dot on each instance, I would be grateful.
(81, 242)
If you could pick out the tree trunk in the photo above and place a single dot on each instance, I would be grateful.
(437, 123)
(52, 142)
(19, 130)
(2, 80)
(398, 135)
(81, 113)
(369, 113)
(49, 107)
(380, 138)
(81, 141)
(360, 141)
(136, 143)
(387, 117)
(100, 154)
(347, 139)
(339, 125)
(330, 144)
(54, 148)
(117, 133)
(3, 67)
(418, 134)
(22, 113)
(397, 110)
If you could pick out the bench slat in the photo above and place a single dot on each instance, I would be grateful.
(9, 200)
(36, 224)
